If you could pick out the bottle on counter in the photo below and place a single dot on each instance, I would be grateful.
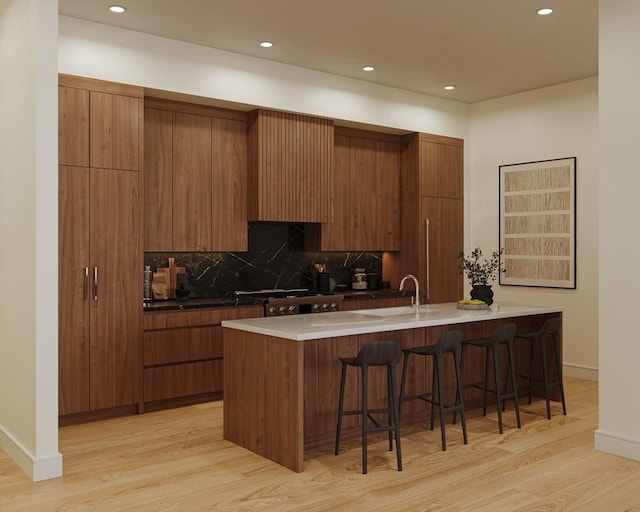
(148, 281)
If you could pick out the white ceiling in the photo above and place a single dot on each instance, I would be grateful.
(487, 48)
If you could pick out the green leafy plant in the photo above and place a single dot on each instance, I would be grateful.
(480, 272)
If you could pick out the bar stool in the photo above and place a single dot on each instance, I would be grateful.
(538, 338)
(373, 353)
(448, 342)
(503, 335)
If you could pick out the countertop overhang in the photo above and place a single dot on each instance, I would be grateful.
(329, 325)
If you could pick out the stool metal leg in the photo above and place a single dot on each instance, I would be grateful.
(512, 368)
(340, 407)
(459, 398)
(438, 374)
(532, 342)
(402, 381)
(496, 373)
(486, 381)
(365, 417)
(559, 368)
(434, 381)
(545, 372)
(396, 414)
(390, 410)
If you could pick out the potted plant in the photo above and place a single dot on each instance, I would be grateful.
(480, 272)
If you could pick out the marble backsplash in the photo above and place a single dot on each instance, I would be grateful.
(276, 259)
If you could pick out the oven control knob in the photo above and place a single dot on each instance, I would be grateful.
(292, 310)
(282, 310)
(325, 307)
(316, 307)
(334, 306)
(272, 310)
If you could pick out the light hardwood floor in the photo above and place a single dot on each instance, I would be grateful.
(176, 460)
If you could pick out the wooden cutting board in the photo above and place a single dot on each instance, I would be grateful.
(172, 272)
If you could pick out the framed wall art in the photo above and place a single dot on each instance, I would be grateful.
(538, 223)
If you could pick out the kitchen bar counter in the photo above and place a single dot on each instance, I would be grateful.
(327, 325)
(282, 375)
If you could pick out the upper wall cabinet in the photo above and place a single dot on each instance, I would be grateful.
(366, 177)
(290, 167)
(195, 178)
(100, 124)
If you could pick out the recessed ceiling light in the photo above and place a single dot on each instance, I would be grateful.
(117, 9)
(449, 87)
(544, 11)
(266, 44)
(368, 68)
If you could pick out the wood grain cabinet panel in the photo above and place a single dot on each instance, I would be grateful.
(73, 289)
(73, 126)
(115, 128)
(180, 345)
(191, 183)
(441, 170)
(229, 185)
(290, 160)
(174, 381)
(366, 176)
(115, 308)
(158, 176)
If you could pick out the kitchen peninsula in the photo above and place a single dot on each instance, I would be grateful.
(282, 374)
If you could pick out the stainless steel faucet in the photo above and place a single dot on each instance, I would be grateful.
(416, 301)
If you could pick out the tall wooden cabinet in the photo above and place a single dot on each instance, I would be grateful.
(195, 178)
(100, 251)
(366, 192)
(432, 227)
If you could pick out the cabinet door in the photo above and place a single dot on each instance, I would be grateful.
(73, 126)
(386, 208)
(73, 289)
(116, 267)
(444, 240)
(115, 131)
(441, 173)
(191, 182)
(363, 194)
(229, 185)
(158, 184)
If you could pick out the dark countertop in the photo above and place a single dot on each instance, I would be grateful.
(175, 304)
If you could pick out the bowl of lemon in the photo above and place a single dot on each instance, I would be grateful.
(471, 304)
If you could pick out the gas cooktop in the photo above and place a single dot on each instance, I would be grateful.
(279, 293)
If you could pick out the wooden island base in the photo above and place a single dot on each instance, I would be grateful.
(281, 395)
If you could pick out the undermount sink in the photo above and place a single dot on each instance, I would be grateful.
(396, 311)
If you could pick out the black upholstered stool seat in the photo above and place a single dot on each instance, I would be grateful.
(448, 342)
(539, 339)
(503, 335)
(373, 353)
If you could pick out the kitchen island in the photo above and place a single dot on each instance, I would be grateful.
(282, 374)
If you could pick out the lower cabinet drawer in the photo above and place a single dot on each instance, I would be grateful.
(178, 345)
(185, 379)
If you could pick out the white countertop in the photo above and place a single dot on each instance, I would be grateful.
(345, 323)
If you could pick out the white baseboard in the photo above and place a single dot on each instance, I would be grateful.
(42, 468)
(580, 371)
(617, 445)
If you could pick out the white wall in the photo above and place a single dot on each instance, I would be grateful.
(28, 236)
(619, 205)
(554, 122)
(100, 51)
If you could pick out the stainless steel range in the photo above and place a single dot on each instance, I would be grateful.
(296, 301)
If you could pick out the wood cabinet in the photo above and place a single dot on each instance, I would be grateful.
(100, 250)
(366, 177)
(183, 354)
(432, 228)
(290, 167)
(195, 178)
(99, 289)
